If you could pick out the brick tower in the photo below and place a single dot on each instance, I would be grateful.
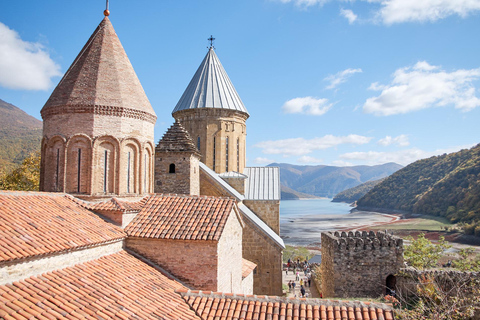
(212, 112)
(98, 125)
(176, 163)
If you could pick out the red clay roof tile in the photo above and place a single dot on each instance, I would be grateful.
(181, 217)
(243, 307)
(114, 286)
(36, 223)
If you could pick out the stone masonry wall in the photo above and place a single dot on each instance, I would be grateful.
(211, 188)
(206, 123)
(267, 210)
(194, 262)
(185, 180)
(261, 250)
(236, 183)
(230, 256)
(357, 264)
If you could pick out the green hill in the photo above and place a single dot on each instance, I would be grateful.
(20, 135)
(446, 185)
(355, 193)
(327, 181)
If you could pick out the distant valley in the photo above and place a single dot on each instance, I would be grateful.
(327, 181)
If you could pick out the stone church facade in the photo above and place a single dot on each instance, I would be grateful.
(98, 144)
(210, 123)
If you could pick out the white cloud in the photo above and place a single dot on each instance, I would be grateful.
(340, 77)
(24, 65)
(349, 15)
(308, 159)
(401, 140)
(260, 160)
(398, 11)
(424, 86)
(305, 3)
(341, 163)
(301, 146)
(307, 105)
(403, 157)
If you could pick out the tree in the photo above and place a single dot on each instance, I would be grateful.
(422, 253)
(466, 262)
(25, 177)
(442, 298)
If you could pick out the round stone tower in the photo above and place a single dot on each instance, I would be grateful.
(98, 125)
(212, 112)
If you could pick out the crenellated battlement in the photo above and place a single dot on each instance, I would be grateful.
(364, 259)
(363, 240)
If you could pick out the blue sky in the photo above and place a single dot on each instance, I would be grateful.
(335, 82)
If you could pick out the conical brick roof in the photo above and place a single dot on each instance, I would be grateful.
(102, 78)
(177, 139)
(210, 87)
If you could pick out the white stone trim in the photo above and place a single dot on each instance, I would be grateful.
(36, 266)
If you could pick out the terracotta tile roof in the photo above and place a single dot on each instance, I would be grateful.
(167, 216)
(37, 223)
(116, 286)
(247, 267)
(114, 204)
(214, 305)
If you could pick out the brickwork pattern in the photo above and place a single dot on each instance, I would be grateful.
(98, 125)
(207, 123)
(236, 183)
(357, 264)
(194, 262)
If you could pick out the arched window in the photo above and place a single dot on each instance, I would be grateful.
(171, 168)
(226, 155)
(198, 143)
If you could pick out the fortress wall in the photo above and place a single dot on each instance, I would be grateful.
(358, 264)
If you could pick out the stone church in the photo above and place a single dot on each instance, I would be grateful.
(126, 229)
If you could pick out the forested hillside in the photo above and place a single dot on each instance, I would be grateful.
(327, 181)
(20, 135)
(355, 193)
(447, 186)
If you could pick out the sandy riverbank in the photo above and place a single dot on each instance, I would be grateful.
(306, 230)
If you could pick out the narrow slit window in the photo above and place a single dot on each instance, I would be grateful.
(226, 155)
(145, 175)
(105, 172)
(214, 140)
(57, 170)
(79, 168)
(238, 155)
(198, 143)
(171, 168)
(128, 173)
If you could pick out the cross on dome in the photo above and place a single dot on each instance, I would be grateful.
(211, 39)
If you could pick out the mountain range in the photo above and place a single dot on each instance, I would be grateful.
(20, 135)
(327, 181)
(446, 185)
